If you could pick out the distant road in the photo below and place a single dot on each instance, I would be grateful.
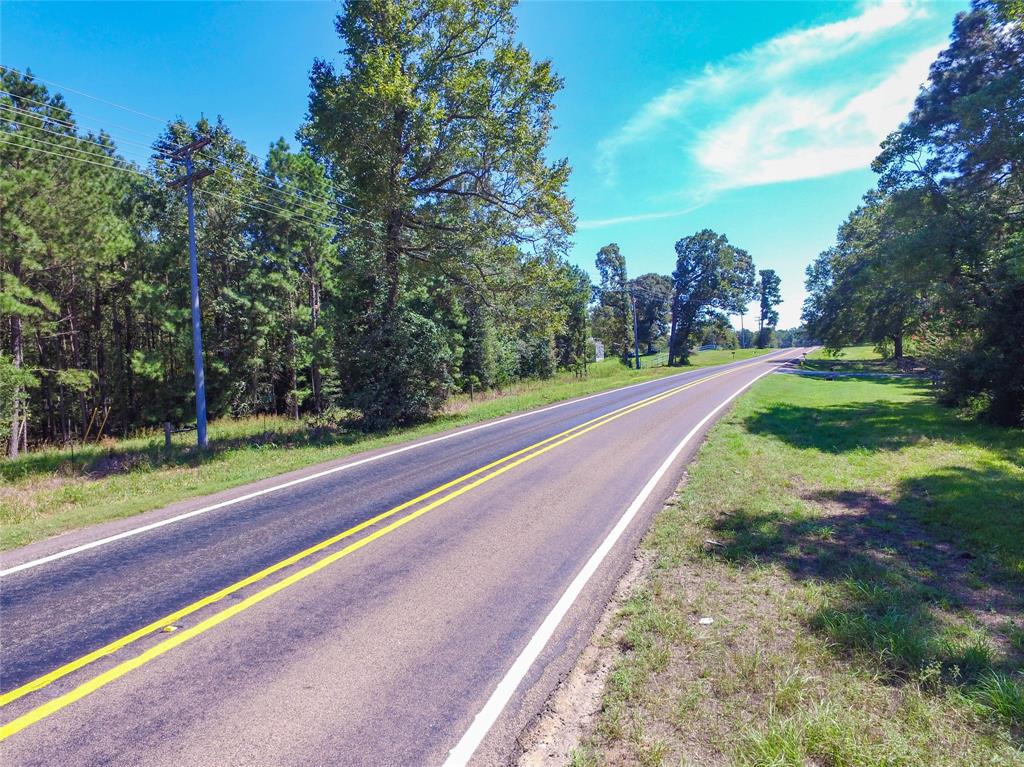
(409, 609)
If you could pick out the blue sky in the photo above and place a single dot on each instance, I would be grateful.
(756, 119)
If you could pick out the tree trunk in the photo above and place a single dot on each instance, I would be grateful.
(672, 331)
(76, 359)
(392, 258)
(897, 342)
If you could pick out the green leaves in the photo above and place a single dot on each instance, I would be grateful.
(710, 274)
(931, 254)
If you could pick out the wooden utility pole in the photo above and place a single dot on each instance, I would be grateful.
(184, 154)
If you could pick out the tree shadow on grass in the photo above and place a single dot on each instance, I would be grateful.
(911, 605)
(926, 585)
(880, 425)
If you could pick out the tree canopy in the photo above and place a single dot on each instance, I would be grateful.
(934, 258)
(710, 275)
(412, 246)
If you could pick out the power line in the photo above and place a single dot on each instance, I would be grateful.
(258, 205)
(72, 157)
(82, 93)
(265, 180)
(87, 152)
(72, 136)
(307, 203)
(269, 186)
(72, 113)
(266, 207)
(333, 202)
(80, 150)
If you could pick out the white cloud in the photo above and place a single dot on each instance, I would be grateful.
(767, 124)
(786, 136)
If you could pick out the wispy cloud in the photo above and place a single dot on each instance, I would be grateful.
(788, 136)
(599, 223)
(790, 107)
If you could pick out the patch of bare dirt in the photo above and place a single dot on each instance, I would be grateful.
(576, 702)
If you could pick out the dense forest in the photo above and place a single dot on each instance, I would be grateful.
(931, 265)
(413, 244)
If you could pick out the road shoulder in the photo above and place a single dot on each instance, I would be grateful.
(820, 590)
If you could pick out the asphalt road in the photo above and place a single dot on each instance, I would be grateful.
(376, 647)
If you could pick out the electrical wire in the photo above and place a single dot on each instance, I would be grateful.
(77, 115)
(86, 152)
(72, 136)
(81, 93)
(75, 158)
(295, 195)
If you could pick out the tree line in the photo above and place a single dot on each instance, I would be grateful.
(689, 308)
(412, 245)
(931, 265)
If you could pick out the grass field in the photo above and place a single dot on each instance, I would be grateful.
(852, 359)
(860, 553)
(50, 491)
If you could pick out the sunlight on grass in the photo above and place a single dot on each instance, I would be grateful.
(861, 551)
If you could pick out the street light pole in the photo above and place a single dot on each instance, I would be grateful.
(191, 175)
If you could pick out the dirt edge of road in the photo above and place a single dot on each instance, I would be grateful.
(548, 741)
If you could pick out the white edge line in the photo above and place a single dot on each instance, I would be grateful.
(483, 721)
(318, 475)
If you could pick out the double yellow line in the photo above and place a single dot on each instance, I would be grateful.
(183, 635)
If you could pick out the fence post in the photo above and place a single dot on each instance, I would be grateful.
(167, 436)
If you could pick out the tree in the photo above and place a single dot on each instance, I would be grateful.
(653, 308)
(934, 254)
(61, 236)
(770, 297)
(301, 252)
(744, 291)
(437, 127)
(613, 320)
(572, 342)
(414, 244)
(710, 275)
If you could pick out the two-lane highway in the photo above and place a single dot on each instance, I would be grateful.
(401, 607)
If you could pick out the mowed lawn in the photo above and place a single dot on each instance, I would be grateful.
(50, 491)
(852, 359)
(859, 552)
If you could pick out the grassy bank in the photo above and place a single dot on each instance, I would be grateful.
(50, 491)
(860, 553)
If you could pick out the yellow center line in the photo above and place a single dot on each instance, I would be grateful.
(184, 635)
(158, 624)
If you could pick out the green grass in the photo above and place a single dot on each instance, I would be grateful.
(852, 359)
(51, 491)
(861, 553)
(701, 359)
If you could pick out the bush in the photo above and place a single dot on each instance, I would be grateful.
(398, 371)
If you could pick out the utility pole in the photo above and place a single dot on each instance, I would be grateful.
(184, 154)
(636, 333)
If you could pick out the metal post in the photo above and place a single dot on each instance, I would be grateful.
(185, 154)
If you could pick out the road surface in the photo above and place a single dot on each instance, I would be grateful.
(402, 607)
